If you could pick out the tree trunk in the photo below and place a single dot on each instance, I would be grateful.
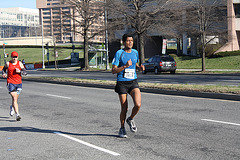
(55, 58)
(203, 52)
(85, 66)
(141, 48)
(178, 46)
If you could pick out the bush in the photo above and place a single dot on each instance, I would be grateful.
(210, 49)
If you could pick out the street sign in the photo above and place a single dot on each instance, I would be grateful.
(164, 46)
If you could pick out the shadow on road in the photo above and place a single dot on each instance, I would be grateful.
(7, 119)
(32, 129)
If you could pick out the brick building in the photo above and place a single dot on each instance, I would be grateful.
(57, 20)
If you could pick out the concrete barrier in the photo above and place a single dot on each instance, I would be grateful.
(38, 65)
(29, 66)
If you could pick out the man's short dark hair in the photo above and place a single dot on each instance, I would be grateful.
(125, 36)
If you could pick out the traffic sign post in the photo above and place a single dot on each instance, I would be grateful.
(48, 58)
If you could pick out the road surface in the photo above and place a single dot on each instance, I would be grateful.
(73, 122)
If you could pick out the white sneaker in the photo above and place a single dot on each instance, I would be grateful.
(11, 111)
(122, 133)
(132, 124)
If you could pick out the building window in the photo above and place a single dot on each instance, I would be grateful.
(57, 17)
(19, 16)
(237, 10)
(46, 18)
(56, 9)
(46, 13)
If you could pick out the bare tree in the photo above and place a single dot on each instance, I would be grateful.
(85, 14)
(196, 18)
(207, 19)
(139, 15)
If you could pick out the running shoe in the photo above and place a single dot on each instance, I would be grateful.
(11, 111)
(122, 133)
(132, 124)
(18, 118)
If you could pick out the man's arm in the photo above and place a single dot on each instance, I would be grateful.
(140, 68)
(116, 69)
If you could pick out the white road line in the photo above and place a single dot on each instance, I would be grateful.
(88, 144)
(178, 96)
(58, 96)
(215, 121)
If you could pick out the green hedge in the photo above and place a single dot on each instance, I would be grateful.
(226, 54)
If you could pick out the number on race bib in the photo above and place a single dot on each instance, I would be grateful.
(129, 73)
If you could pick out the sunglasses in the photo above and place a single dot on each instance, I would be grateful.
(14, 57)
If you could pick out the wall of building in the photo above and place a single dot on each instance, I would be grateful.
(56, 18)
(25, 40)
(153, 46)
(19, 22)
(19, 16)
(233, 25)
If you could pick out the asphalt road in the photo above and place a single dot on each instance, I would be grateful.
(73, 122)
(180, 78)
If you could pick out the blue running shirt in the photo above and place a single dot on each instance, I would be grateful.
(120, 59)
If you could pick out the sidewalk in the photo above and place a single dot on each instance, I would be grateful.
(199, 70)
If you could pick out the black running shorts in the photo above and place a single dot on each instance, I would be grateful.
(124, 87)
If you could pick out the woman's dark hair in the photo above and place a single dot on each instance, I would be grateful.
(125, 36)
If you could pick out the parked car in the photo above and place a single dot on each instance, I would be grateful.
(158, 64)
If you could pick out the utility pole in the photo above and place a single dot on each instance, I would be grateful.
(42, 47)
(5, 56)
(106, 36)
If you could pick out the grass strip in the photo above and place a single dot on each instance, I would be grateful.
(176, 87)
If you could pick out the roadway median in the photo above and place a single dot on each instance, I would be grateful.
(211, 91)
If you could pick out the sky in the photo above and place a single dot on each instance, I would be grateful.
(18, 3)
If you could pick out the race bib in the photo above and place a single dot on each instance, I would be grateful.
(129, 73)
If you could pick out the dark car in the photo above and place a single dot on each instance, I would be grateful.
(158, 64)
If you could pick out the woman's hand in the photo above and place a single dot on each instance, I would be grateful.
(4, 75)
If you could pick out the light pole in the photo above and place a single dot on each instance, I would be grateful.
(106, 35)
(43, 66)
(3, 46)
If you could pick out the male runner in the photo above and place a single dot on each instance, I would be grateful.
(124, 64)
(13, 71)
